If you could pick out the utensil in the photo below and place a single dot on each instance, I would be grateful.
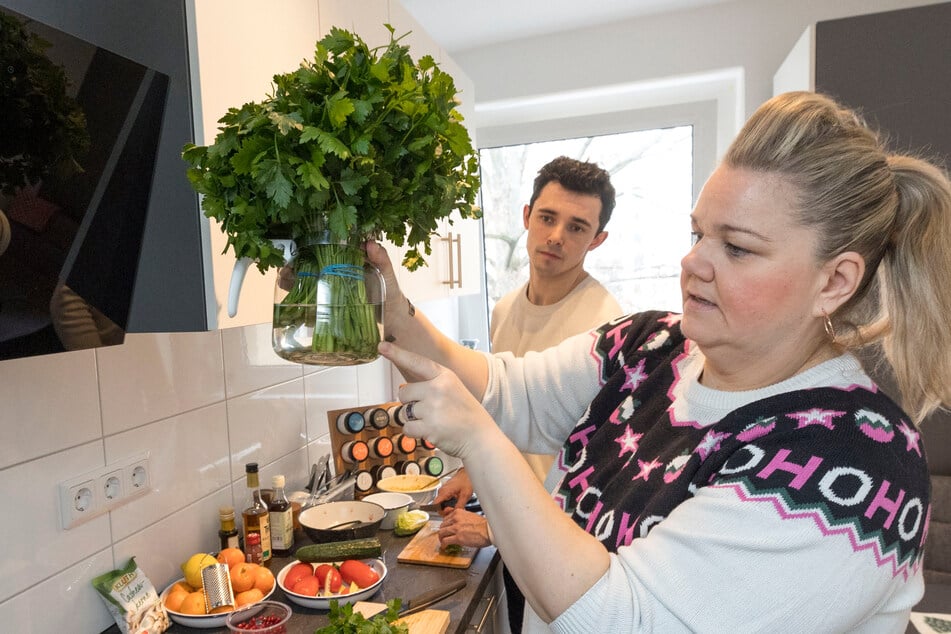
(436, 508)
(436, 479)
(216, 582)
(344, 525)
(416, 604)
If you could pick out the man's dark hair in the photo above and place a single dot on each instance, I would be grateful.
(579, 177)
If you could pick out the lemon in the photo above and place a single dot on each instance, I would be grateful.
(192, 568)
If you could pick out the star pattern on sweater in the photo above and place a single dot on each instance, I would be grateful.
(634, 376)
(815, 416)
(646, 469)
(912, 437)
(671, 319)
(711, 442)
(624, 411)
(628, 441)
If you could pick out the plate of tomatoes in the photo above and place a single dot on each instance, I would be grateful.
(316, 585)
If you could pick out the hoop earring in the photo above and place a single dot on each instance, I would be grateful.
(830, 329)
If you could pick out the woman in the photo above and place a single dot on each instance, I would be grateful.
(733, 468)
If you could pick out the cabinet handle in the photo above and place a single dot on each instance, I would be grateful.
(454, 278)
(477, 628)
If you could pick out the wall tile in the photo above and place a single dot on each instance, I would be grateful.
(250, 361)
(334, 388)
(266, 425)
(66, 602)
(373, 382)
(38, 546)
(151, 377)
(50, 403)
(189, 458)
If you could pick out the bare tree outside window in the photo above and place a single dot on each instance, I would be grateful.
(649, 231)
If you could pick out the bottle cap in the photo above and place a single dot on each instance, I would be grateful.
(226, 513)
(277, 481)
(251, 467)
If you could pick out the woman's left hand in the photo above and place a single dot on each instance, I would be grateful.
(443, 411)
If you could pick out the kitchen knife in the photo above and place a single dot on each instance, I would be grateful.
(423, 601)
(435, 508)
(416, 604)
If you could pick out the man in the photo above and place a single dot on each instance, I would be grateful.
(571, 204)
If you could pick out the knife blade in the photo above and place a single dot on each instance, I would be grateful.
(423, 601)
(435, 508)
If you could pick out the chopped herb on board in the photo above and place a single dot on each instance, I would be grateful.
(343, 620)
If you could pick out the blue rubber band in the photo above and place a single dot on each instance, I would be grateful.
(348, 271)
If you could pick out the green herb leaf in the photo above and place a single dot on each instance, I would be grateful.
(357, 141)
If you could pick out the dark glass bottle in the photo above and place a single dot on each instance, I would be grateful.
(228, 533)
(282, 519)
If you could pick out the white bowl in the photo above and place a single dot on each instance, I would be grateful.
(422, 488)
(393, 503)
(323, 603)
(201, 621)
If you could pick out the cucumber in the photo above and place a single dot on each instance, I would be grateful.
(366, 548)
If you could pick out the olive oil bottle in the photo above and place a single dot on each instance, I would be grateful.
(255, 518)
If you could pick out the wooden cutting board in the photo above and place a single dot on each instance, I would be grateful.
(424, 622)
(424, 549)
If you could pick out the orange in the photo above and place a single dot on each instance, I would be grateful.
(248, 597)
(242, 577)
(194, 603)
(181, 585)
(174, 598)
(231, 556)
(263, 579)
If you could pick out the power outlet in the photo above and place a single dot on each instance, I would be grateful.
(80, 500)
(137, 475)
(111, 486)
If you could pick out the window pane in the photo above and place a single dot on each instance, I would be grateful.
(649, 231)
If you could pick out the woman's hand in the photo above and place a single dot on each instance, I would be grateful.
(464, 528)
(444, 411)
(459, 487)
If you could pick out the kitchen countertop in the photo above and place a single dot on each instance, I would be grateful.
(403, 581)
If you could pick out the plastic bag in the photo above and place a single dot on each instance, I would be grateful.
(132, 600)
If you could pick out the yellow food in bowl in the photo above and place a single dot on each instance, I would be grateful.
(408, 483)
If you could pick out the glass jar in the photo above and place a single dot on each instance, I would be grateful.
(328, 306)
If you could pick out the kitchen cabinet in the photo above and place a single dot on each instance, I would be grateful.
(891, 66)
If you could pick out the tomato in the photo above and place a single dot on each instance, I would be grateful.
(296, 573)
(307, 586)
(329, 577)
(354, 571)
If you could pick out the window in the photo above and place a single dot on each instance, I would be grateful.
(649, 231)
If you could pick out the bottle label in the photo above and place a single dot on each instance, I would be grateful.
(282, 529)
(265, 529)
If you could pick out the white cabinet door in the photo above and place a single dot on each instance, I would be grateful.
(227, 72)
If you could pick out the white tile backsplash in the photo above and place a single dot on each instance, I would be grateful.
(151, 377)
(201, 404)
(49, 403)
(250, 362)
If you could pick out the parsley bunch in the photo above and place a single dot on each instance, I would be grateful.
(360, 142)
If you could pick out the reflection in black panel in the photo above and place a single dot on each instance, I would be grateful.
(67, 275)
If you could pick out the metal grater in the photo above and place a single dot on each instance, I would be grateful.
(216, 581)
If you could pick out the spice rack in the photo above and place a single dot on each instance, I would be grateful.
(369, 439)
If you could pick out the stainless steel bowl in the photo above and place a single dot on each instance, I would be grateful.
(339, 521)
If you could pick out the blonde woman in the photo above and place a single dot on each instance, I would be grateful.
(731, 468)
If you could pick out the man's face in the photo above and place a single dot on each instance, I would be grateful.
(562, 227)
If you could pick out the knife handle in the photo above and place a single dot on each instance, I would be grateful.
(427, 599)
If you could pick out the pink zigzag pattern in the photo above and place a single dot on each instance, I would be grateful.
(858, 544)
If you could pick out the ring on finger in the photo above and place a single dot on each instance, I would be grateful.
(408, 409)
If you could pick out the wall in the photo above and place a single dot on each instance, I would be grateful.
(203, 405)
(694, 48)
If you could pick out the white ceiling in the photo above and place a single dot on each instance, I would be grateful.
(458, 25)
